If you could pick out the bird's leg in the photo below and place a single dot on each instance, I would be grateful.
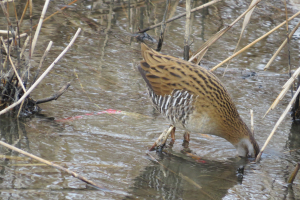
(172, 137)
(161, 140)
(186, 140)
(186, 136)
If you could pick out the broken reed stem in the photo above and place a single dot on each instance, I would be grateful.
(42, 61)
(39, 26)
(252, 122)
(254, 42)
(281, 46)
(181, 15)
(52, 165)
(163, 27)
(42, 76)
(186, 49)
(294, 174)
(200, 53)
(277, 124)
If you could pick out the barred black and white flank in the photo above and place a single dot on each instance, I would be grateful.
(176, 107)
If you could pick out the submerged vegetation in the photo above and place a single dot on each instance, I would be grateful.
(18, 72)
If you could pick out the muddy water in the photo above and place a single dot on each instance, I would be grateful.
(110, 147)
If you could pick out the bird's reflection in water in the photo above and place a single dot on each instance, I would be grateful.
(177, 177)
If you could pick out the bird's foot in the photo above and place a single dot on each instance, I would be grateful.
(161, 141)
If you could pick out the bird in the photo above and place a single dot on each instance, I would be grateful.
(193, 98)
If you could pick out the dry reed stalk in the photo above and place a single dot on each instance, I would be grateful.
(187, 30)
(19, 36)
(42, 76)
(37, 32)
(23, 14)
(277, 124)
(163, 27)
(5, 13)
(16, 14)
(281, 46)
(245, 23)
(202, 50)
(181, 15)
(13, 66)
(4, 32)
(30, 19)
(53, 165)
(20, 109)
(54, 13)
(294, 174)
(24, 46)
(42, 61)
(285, 87)
(254, 42)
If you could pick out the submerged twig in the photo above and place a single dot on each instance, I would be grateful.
(42, 76)
(55, 96)
(53, 165)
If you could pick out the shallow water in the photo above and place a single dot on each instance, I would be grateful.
(110, 147)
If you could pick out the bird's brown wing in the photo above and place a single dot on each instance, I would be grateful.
(164, 74)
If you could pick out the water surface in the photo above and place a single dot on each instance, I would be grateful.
(110, 148)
